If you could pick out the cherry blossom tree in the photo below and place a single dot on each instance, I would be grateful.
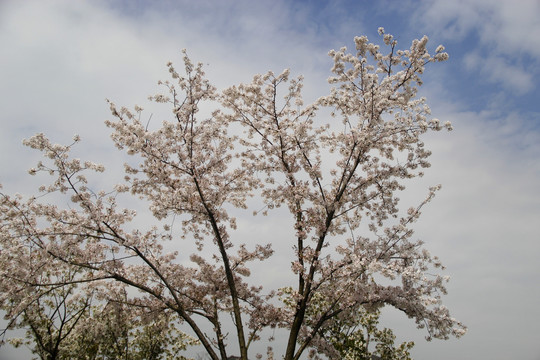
(338, 177)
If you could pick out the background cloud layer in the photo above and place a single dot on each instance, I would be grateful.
(61, 59)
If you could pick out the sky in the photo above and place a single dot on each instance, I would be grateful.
(60, 60)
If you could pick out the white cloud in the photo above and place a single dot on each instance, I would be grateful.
(508, 25)
(498, 70)
(515, 28)
(505, 35)
(447, 19)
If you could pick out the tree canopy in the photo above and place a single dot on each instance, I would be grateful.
(338, 177)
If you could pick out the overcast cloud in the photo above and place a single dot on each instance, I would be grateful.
(61, 59)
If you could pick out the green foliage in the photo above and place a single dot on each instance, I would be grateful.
(352, 334)
(63, 326)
